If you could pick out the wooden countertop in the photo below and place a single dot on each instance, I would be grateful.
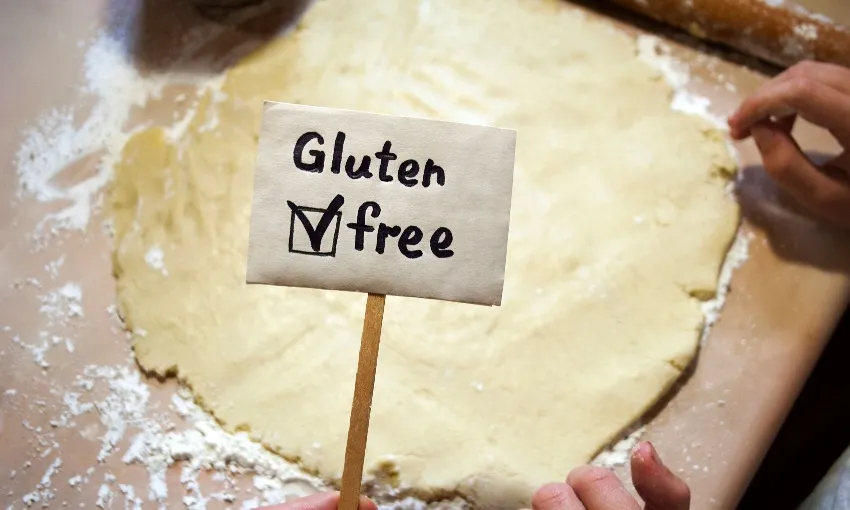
(715, 428)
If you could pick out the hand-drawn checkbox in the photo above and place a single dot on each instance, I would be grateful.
(309, 229)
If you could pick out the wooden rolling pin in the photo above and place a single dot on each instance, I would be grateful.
(777, 31)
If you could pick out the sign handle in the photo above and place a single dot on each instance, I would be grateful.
(364, 384)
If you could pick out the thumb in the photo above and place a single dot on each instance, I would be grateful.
(785, 162)
(656, 484)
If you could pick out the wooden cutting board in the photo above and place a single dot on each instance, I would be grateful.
(714, 429)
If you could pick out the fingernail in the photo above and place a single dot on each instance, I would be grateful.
(645, 451)
(734, 130)
(652, 453)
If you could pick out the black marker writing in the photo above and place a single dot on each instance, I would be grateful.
(408, 239)
(385, 156)
(362, 170)
(315, 234)
(406, 172)
(383, 231)
(441, 239)
(339, 142)
(433, 169)
(318, 156)
(360, 227)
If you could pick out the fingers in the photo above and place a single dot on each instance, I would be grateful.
(556, 496)
(600, 489)
(657, 485)
(811, 99)
(825, 196)
(321, 501)
(835, 76)
(365, 504)
(820, 93)
(786, 123)
(595, 488)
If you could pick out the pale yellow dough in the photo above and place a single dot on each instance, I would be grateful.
(619, 218)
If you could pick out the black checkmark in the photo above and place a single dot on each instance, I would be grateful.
(316, 234)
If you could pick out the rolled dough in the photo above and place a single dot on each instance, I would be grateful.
(619, 226)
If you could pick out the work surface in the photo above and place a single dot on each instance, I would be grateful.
(714, 429)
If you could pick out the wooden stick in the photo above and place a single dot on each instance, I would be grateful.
(361, 407)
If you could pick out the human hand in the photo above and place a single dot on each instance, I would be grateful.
(320, 501)
(596, 488)
(820, 93)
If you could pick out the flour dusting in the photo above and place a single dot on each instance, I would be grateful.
(737, 255)
(44, 493)
(620, 453)
(155, 258)
(652, 50)
(56, 142)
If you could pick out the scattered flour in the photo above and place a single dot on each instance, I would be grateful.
(48, 475)
(43, 493)
(104, 496)
(737, 255)
(807, 31)
(74, 406)
(621, 452)
(62, 304)
(823, 18)
(652, 50)
(155, 258)
(131, 501)
(114, 86)
(250, 504)
(52, 268)
(205, 446)
(115, 92)
(123, 407)
(37, 351)
(43, 346)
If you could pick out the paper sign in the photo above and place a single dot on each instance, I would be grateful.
(356, 201)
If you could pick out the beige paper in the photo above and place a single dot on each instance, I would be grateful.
(356, 201)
